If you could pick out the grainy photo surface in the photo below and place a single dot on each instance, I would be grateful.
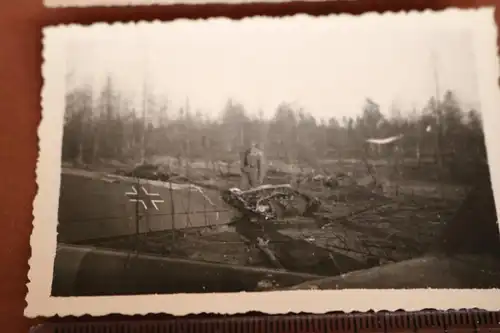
(267, 156)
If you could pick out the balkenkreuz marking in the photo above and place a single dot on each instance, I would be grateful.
(146, 199)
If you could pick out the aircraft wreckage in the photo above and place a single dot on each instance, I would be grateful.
(195, 238)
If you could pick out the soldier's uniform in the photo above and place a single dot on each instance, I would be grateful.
(252, 167)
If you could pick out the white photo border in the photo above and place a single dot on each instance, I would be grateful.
(480, 22)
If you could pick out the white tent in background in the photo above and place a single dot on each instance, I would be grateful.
(385, 141)
(384, 144)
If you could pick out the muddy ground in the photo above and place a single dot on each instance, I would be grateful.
(354, 230)
(361, 230)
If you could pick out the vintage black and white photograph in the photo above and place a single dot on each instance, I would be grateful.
(269, 155)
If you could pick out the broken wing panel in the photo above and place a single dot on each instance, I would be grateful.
(93, 206)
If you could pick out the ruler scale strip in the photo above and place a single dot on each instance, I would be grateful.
(400, 321)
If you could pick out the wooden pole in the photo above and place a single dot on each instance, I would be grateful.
(439, 127)
(437, 106)
(144, 123)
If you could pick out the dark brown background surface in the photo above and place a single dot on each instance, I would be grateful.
(20, 84)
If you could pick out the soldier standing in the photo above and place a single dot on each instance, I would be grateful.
(252, 167)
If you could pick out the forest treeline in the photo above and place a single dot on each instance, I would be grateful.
(105, 126)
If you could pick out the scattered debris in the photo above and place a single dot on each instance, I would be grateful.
(351, 224)
(271, 201)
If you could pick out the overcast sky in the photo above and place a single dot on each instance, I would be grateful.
(328, 66)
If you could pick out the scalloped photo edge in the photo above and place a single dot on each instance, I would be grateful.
(478, 22)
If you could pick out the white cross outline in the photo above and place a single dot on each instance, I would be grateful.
(153, 202)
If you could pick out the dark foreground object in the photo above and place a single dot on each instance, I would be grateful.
(88, 271)
(474, 229)
(459, 272)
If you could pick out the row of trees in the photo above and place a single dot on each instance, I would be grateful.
(108, 127)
